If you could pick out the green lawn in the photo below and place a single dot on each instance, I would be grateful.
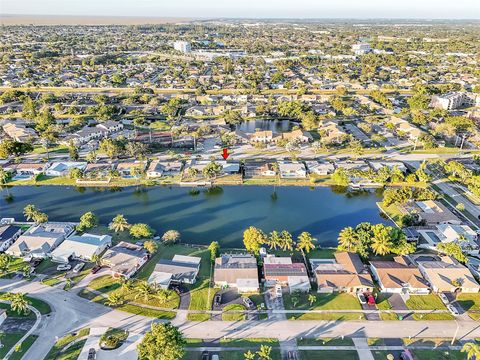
(439, 355)
(329, 354)
(380, 354)
(336, 301)
(469, 301)
(17, 355)
(325, 342)
(331, 316)
(56, 352)
(8, 341)
(233, 316)
(228, 355)
(435, 316)
(73, 352)
(40, 305)
(249, 342)
(201, 299)
(107, 284)
(425, 302)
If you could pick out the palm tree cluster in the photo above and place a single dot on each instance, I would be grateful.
(254, 238)
(378, 239)
(140, 290)
(32, 213)
(264, 353)
(18, 302)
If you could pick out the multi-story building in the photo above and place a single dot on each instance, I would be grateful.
(182, 46)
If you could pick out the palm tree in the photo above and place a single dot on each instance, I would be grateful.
(4, 176)
(311, 299)
(151, 246)
(127, 285)
(381, 246)
(145, 290)
(472, 350)
(274, 240)
(162, 295)
(264, 352)
(114, 299)
(119, 223)
(287, 241)
(29, 212)
(249, 355)
(347, 239)
(18, 303)
(305, 242)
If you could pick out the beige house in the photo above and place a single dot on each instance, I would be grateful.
(346, 273)
(237, 270)
(448, 275)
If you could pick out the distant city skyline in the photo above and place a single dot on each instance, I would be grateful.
(428, 9)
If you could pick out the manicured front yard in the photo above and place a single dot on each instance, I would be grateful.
(425, 302)
(233, 316)
(330, 316)
(325, 342)
(8, 340)
(26, 344)
(336, 301)
(40, 305)
(249, 342)
(469, 301)
(228, 355)
(201, 298)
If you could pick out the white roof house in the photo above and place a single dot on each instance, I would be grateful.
(320, 167)
(40, 240)
(292, 170)
(63, 167)
(445, 233)
(181, 269)
(84, 247)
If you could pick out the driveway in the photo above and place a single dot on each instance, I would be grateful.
(274, 303)
(397, 302)
(128, 351)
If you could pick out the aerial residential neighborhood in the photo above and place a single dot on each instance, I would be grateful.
(256, 180)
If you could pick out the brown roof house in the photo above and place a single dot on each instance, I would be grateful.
(399, 276)
(282, 271)
(345, 273)
(237, 270)
(448, 275)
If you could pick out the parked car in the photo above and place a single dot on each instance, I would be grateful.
(64, 267)
(92, 354)
(78, 267)
(444, 298)
(215, 357)
(217, 300)
(370, 299)
(278, 291)
(406, 355)
(453, 310)
(205, 355)
(96, 269)
(35, 262)
(248, 303)
(361, 298)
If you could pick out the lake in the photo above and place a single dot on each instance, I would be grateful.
(220, 215)
(277, 126)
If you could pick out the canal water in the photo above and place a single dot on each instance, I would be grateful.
(205, 215)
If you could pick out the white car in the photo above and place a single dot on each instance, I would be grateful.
(64, 267)
(453, 310)
(78, 267)
(444, 298)
(361, 298)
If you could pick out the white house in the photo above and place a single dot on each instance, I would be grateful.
(82, 247)
(62, 168)
(320, 167)
(292, 170)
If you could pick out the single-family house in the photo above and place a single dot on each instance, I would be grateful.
(282, 271)
(448, 275)
(292, 170)
(259, 169)
(180, 270)
(82, 247)
(399, 276)
(8, 235)
(19, 132)
(377, 165)
(320, 167)
(131, 169)
(28, 170)
(262, 136)
(463, 235)
(300, 135)
(345, 273)
(40, 240)
(110, 126)
(97, 170)
(237, 270)
(432, 212)
(164, 168)
(124, 259)
(62, 168)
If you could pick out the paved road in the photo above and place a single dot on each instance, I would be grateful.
(71, 313)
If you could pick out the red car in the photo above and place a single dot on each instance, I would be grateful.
(95, 269)
(370, 299)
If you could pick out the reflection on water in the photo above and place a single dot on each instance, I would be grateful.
(277, 126)
(204, 215)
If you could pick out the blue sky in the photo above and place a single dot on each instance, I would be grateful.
(250, 8)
